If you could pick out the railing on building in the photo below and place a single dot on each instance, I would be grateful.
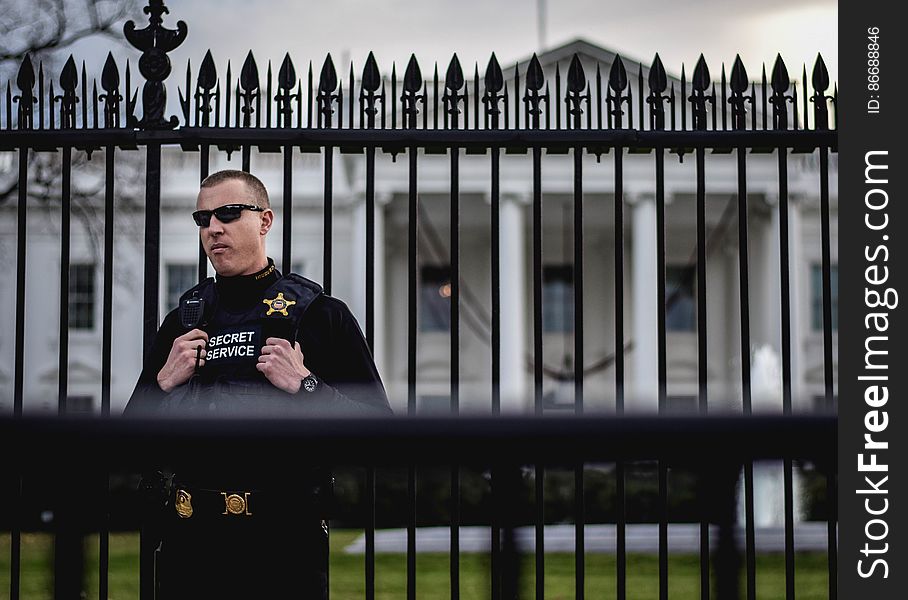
(610, 114)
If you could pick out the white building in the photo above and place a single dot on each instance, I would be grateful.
(179, 252)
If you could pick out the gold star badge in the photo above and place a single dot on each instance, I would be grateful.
(278, 304)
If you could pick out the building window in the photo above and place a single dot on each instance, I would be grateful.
(179, 279)
(680, 305)
(82, 296)
(557, 298)
(298, 267)
(435, 299)
(816, 296)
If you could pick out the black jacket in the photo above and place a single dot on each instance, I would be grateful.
(332, 343)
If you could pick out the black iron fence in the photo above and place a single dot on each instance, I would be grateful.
(636, 108)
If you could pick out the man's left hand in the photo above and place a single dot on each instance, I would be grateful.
(282, 364)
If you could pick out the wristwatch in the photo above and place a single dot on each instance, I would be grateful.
(309, 383)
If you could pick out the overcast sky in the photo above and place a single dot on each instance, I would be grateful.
(434, 29)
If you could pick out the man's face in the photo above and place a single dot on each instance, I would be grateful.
(238, 247)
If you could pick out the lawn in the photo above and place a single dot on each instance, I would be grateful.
(432, 582)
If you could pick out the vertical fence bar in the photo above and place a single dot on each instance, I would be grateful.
(496, 279)
(370, 341)
(579, 520)
(831, 498)
(152, 242)
(18, 383)
(329, 195)
(455, 356)
(537, 280)
(786, 338)
(411, 368)
(204, 154)
(370, 248)
(21, 214)
(106, 335)
(537, 365)
(150, 312)
(65, 214)
(496, 351)
(702, 389)
(621, 530)
(370, 533)
(744, 303)
(411, 533)
(450, 100)
(287, 210)
(724, 507)
(661, 384)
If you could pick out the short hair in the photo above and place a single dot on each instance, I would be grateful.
(253, 184)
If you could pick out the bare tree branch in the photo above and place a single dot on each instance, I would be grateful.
(27, 29)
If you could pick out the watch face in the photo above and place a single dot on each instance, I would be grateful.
(310, 383)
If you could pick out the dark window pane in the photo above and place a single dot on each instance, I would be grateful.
(81, 296)
(179, 279)
(557, 299)
(816, 296)
(680, 304)
(435, 299)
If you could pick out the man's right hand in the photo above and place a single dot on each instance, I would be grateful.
(180, 363)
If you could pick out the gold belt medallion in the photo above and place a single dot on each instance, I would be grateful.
(183, 504)
(235, 504)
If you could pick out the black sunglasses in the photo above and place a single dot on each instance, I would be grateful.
(225, 214)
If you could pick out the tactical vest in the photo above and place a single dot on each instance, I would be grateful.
(229, 381)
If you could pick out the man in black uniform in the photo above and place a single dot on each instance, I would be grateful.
(251, 342)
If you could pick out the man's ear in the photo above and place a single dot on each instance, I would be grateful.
(267, 220)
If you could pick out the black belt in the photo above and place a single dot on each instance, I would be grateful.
(204, 503)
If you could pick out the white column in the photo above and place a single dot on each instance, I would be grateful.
(514, 302)
(645, 305)
(799, 278)
(357, 301)
(765, 288)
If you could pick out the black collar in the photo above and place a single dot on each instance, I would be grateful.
(243, 291)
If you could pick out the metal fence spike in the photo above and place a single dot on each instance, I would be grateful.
(371, 77)
(576, 78)
(412, 76)
(780, 80)
(327, 79)
(738, 76)
(454, 75)
(249, 75)
(658, 81)
(208, 76)
(534, 76)
(494, 80)
(700, 80)
(820, 77)
(617, 77)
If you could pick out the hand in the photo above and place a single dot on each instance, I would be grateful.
(282, 364)
(180, 363)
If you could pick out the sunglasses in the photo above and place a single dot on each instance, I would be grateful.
(225, 214)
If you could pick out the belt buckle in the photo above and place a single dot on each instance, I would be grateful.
(235, 504)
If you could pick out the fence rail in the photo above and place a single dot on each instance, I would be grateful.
(501, 445)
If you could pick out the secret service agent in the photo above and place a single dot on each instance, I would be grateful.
(256, 343)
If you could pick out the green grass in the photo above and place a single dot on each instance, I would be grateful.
(432, 581)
